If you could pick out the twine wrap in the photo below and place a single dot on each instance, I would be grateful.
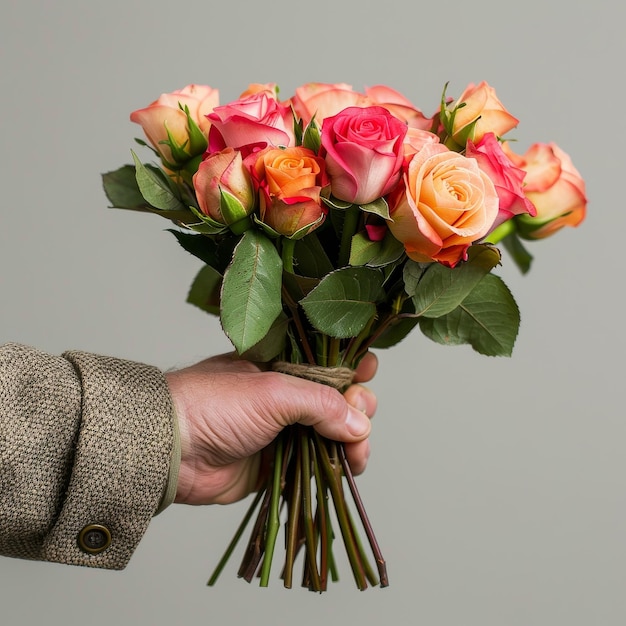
(339, 378)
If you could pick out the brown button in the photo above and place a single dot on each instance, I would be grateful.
(94, 538)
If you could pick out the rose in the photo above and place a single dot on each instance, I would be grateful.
(363, 149)
(554, 186)
(271, 89)
(249, 124)
(324, 100)
(398, 105)
(289, 182)
(223, 187)
(448, 203)
(507, 179)
(415, 140)
(164, 122)
(481, 113)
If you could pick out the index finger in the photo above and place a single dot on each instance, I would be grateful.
(366, 369)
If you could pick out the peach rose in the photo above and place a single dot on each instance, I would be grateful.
(415, 140)
(448, 203)
(482, 113)
(324, 100)
(289, 182)
(165, 115)
(271, 89)
(398, 105)
(223, 173)
(554, 186)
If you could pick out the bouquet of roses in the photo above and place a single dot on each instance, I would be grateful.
(330, 223)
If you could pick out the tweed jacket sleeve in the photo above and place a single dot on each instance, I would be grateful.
(85, 445)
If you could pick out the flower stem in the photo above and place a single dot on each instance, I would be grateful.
(311, 543)
(293, 522)
(273, 523)
(380, 561)
(288, 246)
(229, 550)
(334, 483)
(350, 222)
(322, 516)
(254, 551)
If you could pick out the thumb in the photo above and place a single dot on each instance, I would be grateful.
(297, 400)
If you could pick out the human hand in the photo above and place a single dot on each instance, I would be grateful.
(229, 410)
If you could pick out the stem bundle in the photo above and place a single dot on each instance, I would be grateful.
(307, 474)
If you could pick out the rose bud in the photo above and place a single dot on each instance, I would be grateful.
(290, 181)
(481, 113)
(224, 187)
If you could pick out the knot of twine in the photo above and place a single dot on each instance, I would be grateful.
(339, 378)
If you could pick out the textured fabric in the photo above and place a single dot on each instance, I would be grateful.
(84, 439)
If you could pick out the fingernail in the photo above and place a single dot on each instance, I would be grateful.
(357, 422)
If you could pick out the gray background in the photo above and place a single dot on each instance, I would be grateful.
(496, 486)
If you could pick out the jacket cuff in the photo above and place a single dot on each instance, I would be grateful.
(169, 494)
(121, 462)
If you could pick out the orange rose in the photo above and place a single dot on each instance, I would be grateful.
(448, 203)
(554, 186)
(290, 181)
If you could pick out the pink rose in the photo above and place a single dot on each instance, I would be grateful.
(554, 186)
(483, 113)
(251, 123)
(363, 149)
(508, 179)
(224, 173)
(398, 105)
(324, 100)
(165, 115)
(448, 203)
(290, 181)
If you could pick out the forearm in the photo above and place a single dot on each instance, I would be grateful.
(84, 439)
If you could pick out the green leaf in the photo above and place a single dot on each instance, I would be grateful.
(412, 273)
(395, 333)
(311, 138)
(364, 251)
(336, 203)
(310, 258)
(197, 139)
(272, 344)
(299, 286)
(344, 301)
(251, 291)
(207, 224)
(442, 289)
(399, 327)
(487, 319)
(377, 207)
(122, 190)
(205, 290)
(521, 257)
(204, 248)
(155, 189)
